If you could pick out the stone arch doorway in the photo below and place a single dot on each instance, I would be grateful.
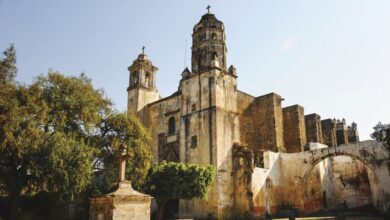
(339, 182)
(374, 156)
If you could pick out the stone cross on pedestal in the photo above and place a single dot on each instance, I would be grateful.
(123, 156)
(123, 203)
(208, 9)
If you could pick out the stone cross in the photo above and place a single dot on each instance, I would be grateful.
(208, 9)
(123, 156)
(143, 49)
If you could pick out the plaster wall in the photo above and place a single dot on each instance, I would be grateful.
(350, 182)
(299, 180)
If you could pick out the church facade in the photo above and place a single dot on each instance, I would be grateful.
(208, 120)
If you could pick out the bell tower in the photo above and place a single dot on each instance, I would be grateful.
(209, 119)
(142, 84)
(208, 43)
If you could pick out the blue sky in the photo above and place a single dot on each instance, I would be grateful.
(332, 57)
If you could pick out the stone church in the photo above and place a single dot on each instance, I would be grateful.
(208, 120)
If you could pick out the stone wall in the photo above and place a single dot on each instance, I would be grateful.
(353, 133)
(313, 128)
(294, 129)
(329, 132)
(156, 117)
(247, 132)
(242, 178)
(341, 132)
(262, 124)
(209, 128)
(138, 98)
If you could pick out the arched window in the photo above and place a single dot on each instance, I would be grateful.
(147, 79)
(214, 36)
(171, 125)
(134, 78)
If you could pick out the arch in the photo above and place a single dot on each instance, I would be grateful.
(134, 78)
(316, 162)
(213, 36)
(365, 152)
(374, 156)
(171, 125)
(331, 155)
(147, 79)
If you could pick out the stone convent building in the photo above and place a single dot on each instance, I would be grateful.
(208, 120)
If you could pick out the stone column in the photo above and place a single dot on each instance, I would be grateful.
(122, 155)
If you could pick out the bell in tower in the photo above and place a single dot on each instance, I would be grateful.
(208, 43)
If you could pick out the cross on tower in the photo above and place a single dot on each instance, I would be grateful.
(143, 49)
(208, 9)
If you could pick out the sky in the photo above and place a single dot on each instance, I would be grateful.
(330, 56)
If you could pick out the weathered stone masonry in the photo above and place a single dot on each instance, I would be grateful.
(209, 121)
(313, 128)
(294, 125)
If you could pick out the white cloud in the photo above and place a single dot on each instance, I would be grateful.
(288, 44)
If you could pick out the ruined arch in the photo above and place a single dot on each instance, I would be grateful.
(332, 155)
(375, 157)
(370, 153)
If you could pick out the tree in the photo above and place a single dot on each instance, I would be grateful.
(45, 136)
(73, 105)
(118, 129)
(169, 180)
(56, 132)
(20, 138)
(8, 65)
(380, 132)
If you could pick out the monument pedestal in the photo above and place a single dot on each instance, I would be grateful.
(124, 203)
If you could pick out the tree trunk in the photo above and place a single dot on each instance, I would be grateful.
(14, 207)
(160, 208)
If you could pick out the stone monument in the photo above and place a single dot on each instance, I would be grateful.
(124, 203)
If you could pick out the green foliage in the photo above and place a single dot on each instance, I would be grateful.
(74, 106)
(8, 65)
(380, 132)
(34, 159)
(169, 180)
(56, 132)
(118, 129)
(65, 165)
(21, 116)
